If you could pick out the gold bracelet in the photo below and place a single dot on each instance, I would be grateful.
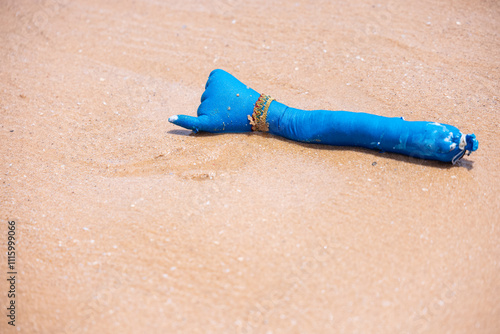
(258, 120)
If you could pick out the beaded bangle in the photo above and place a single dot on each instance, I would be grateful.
(259, 115)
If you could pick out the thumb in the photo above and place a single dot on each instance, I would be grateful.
(188, 122)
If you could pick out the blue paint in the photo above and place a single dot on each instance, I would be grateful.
(227, 103)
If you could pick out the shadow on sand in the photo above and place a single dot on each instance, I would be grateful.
(465, 163)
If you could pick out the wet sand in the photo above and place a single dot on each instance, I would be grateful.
(129, 224)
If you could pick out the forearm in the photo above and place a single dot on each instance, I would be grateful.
(428, 140)
(334, 127)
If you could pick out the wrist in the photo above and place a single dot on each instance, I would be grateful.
(267, 115)
(275, 117)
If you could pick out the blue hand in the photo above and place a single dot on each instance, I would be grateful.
(225, 106)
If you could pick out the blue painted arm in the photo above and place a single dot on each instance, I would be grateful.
(230, 106)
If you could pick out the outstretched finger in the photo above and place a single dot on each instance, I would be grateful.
(188, 122)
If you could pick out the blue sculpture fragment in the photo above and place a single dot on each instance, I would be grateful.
(228, 105)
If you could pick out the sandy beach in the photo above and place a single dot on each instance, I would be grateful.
(126, 223)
